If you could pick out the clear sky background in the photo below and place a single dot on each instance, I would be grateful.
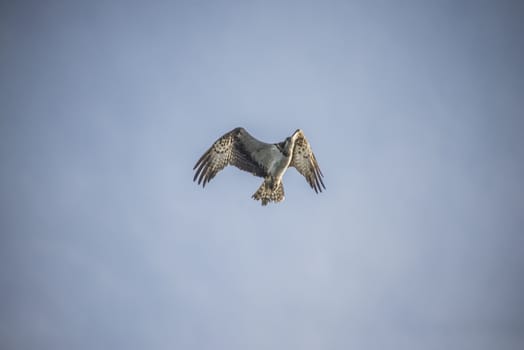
(414, 110)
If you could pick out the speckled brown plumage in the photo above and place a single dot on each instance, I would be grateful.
(305, 162)
(225, 151)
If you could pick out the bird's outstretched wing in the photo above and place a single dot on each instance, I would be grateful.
(233, 148)
(305, 162)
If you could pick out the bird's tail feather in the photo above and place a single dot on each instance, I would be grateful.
(266, 193)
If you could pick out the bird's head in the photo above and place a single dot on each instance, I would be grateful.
(287, 146)
(289, 142)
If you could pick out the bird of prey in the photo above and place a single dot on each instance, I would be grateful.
(267, 160)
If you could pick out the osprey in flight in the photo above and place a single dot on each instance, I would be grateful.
(267, 160)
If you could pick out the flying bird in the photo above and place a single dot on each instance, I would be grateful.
(267, 160)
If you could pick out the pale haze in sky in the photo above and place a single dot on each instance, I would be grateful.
(414, 110)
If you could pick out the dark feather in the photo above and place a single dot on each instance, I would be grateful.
(230, 149)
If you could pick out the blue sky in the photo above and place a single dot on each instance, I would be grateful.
(413, 109)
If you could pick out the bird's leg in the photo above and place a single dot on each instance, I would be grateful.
(271, 183)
